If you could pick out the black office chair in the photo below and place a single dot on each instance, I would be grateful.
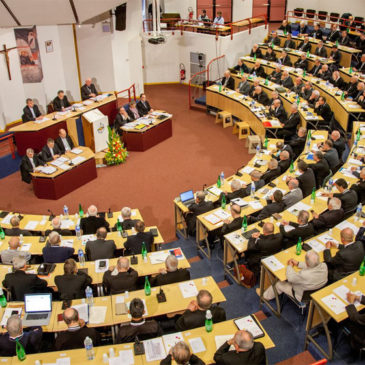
(298, 11)
(334, 17)
(322, 15)
(311, 13)
(359, 20)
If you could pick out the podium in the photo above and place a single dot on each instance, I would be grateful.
(95, 125)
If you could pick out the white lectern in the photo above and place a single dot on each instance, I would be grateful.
(95, 125)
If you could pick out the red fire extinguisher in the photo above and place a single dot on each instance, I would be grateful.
(182, 72)
(191, 13)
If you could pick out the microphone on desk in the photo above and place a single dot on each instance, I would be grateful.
(138, 347)
(110, 214)
(54, 116)
(204, 187)
(51, 215)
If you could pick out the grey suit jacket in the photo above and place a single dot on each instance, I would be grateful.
(292, 197)
(244, 87)
(307, 278)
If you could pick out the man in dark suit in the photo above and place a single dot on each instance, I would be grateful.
(233, 224)
(127, 221)
(337, 81)
(19, 282)
(143, 106)
(335, 55)
(360, 91)
(298, 142)
(199, 207)
(317, 33)
(331, 155)
(30, 339)
(360, 42)
(138, 326)
(303, 30)
(120, 278)
(256, 180)
(274, 39)
(64, 142)
(90, 224)
(260, 96)
(56, 227)
(276, 110)
(294, 195)
(134, 243)
(194, 316)
(302, 229)
(77, 331)
(351, 89)
(50, 151)
(60, 102)
(302, 62)
(258, 70)
(356, 321)
(54, 253)
(121, 118)
(320, 168)
(244, 86)
(321, 50)
(348, 257)
(256, 51)
(286, 80)
(72, 284)
(255, 83)
(272, 172)
(298, 86)
(329, 218)
(314, 71)
(182, 355)
(360, 66)
(344, 39)
(289, 43)
(101, 248)
(237, 192)
(246, 351)
(31, 112)
(171, 273)
(29, 164)
(307, 180)
(284, 59)
(15, 230)
(334, 34)
(270, 55)
(359, 187)
(275, 76)
(241, 67)
(289, 127)
(284, 161)
(323, 109)
(88, 90)
(262, 245)
(324, 73)
(285, 27)
(305, 46)
(307, 90)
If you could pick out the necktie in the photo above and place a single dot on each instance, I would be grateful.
(32, 111)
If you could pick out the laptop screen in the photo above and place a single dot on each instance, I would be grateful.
(187, 195)
(38, 302)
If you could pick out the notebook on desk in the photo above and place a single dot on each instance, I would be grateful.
(187, 197)
(38, 309)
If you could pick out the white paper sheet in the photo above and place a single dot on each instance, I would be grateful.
(158, 257)
(171, 340)
(239, 202)
(25, 247)
(342, 291)
(6, 220)
(126, 357)
(63, 361)
(64, 167)
(76, 151)
(215, 191)
(298, 207)
(318, 247)
(66, 223)
(87, 237)
(248, 323)
(347, 224)
(222, 214)
(197, 345)
(255, 204)
(334, 303)
(188, 289)
(31, 225)
(67, 243)
(212, 219)
(273, 263)
(154, 349)
(220, 340)
(288, 228)
(77, 160)
(83, 311)
(97, 314)
(247, 169)
(7, 315)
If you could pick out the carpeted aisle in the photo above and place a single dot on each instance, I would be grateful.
(198, 151)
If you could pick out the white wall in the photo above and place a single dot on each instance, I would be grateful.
(356, 7)
(161, 62)
(241, 9)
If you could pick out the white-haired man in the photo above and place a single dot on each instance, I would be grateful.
(90, 224)
(182, 355)
(88, 90)
(127, 221)
(170, 273)
(54, 253)
(30, 163)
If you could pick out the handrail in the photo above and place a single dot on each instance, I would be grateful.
(131, 88)
(235, 24)
(214, 59)
(9, 137)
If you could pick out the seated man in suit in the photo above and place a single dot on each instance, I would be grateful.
(289, 43)
(138, 326)
(317, 32)
(302, 62)
(302, 229)
(285, 26)
(29, 164)
(258, 70)
(232, 224)
(54, 253)
(121, 118)
(286, 80)
(194, 316)
(64, 142)
(133, 245)
(274, 39)
(256, 51)
(303, 29)
(256, 180)
(284, 59)
(228, 80)
(324, 73)
(60, 102)
(331, 155)
(88, 90)
(335, 55)
(19, 282)
(56, 227)
(321, 50)
(15, 230)
(171, 273)
(77, 331)
(50, 151)
(276, 110)
(241, 67)
(298, 85)
(237, 191)
(337, 81)
(344, 39)
(90, 224)
(181, 355)
(280, 147)
(30, 339)
(256, 82)
(272, 172)
(314, 71)
(294, 195)
(260, 96)
(274, 96)
(243, 86)
(348, 257)
(359, 187)
(203, 16)
(360, 90)
(120, 278)
(31, 112)
(246, 351)
(360, 44)
(262, 245)
(313, 275)
(72, 284)
(320, 168)
(323, 109)
(270, 55)
(351, 88)
(298, 142)
(101, 248)
(313, 99)
(8, 255)
(127, 221)
(284, 161)
(307, 90)
(143, 106)
(275, 76)
(305, 46)
(360, 66)
(307, 180)
(329, 218)
(334, 34)
(289, 127)
(199, 207)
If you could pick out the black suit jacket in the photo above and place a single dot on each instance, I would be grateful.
(46, 153)
(292, 123)
(333, 36)
(255, 356)
(289, 43)
(57, 254)
(269, 210)
(321, 52)
(133, 244)
(303, 64)
(69, 340)
(233, 226)
(325, 75)
(144, 330)
(241, 69)
(291, 237)
(58, 103)
(126, 224)
(346, 261)
(314, 71)
(86, 91)
(325, 112)
(230, 83)
(27, 114)
(195, 210)
(124, 281)
(260, 72)
(100, 249)
(62, 232)
(284, 165)
(171, 277)
(285, 61)
(336, 56)
(297, 145)
(119, 122)
(20, 283)
(258, 53)
(317, 34)
(328, 219)
(262, 98)
(270, 56)
(344, 41)
(360, 190)
(338, 83)
(143, 108)
(357, 326)
(270, 175)
(307, 182)
(72, 286)
(89, 225)
(288, 82)
(275, 77)
(16, 232)
(279, 113)
(26, 167)
(61, 146)
(352, 89)
(305, 47)
(321, 171)
(348, 200)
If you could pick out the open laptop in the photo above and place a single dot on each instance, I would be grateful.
(187, 197)
(38, 309)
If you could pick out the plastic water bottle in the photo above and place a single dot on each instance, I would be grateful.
(330, 185)
(65, 211)
(253, 189)
(358, 211)
(21, 239)
(327, 83)
(88, 343)
(89, 296)
(222, 177)
(254, 74)
(258, 150)
(78, 232)
(81, 256)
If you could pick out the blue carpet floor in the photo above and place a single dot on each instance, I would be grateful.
(287, 332)
(8, 165)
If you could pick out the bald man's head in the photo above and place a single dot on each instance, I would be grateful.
(71, 316)
(243, 341)
(347, 236)
(14, 243)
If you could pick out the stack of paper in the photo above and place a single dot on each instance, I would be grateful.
(249, 324)
(273, 263)
(76, 151)
(222, 214)
(77, 160)
(154, 349)
(197, 345)
(334, 303)
(158, 257)
(67, 243)
(7, 314)
(188, 289)
(171, 340)
(212, 219)
(318, 247)
(215, 191)
(239, 202)
(48, 170)
(247, 169)
(97, 314)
